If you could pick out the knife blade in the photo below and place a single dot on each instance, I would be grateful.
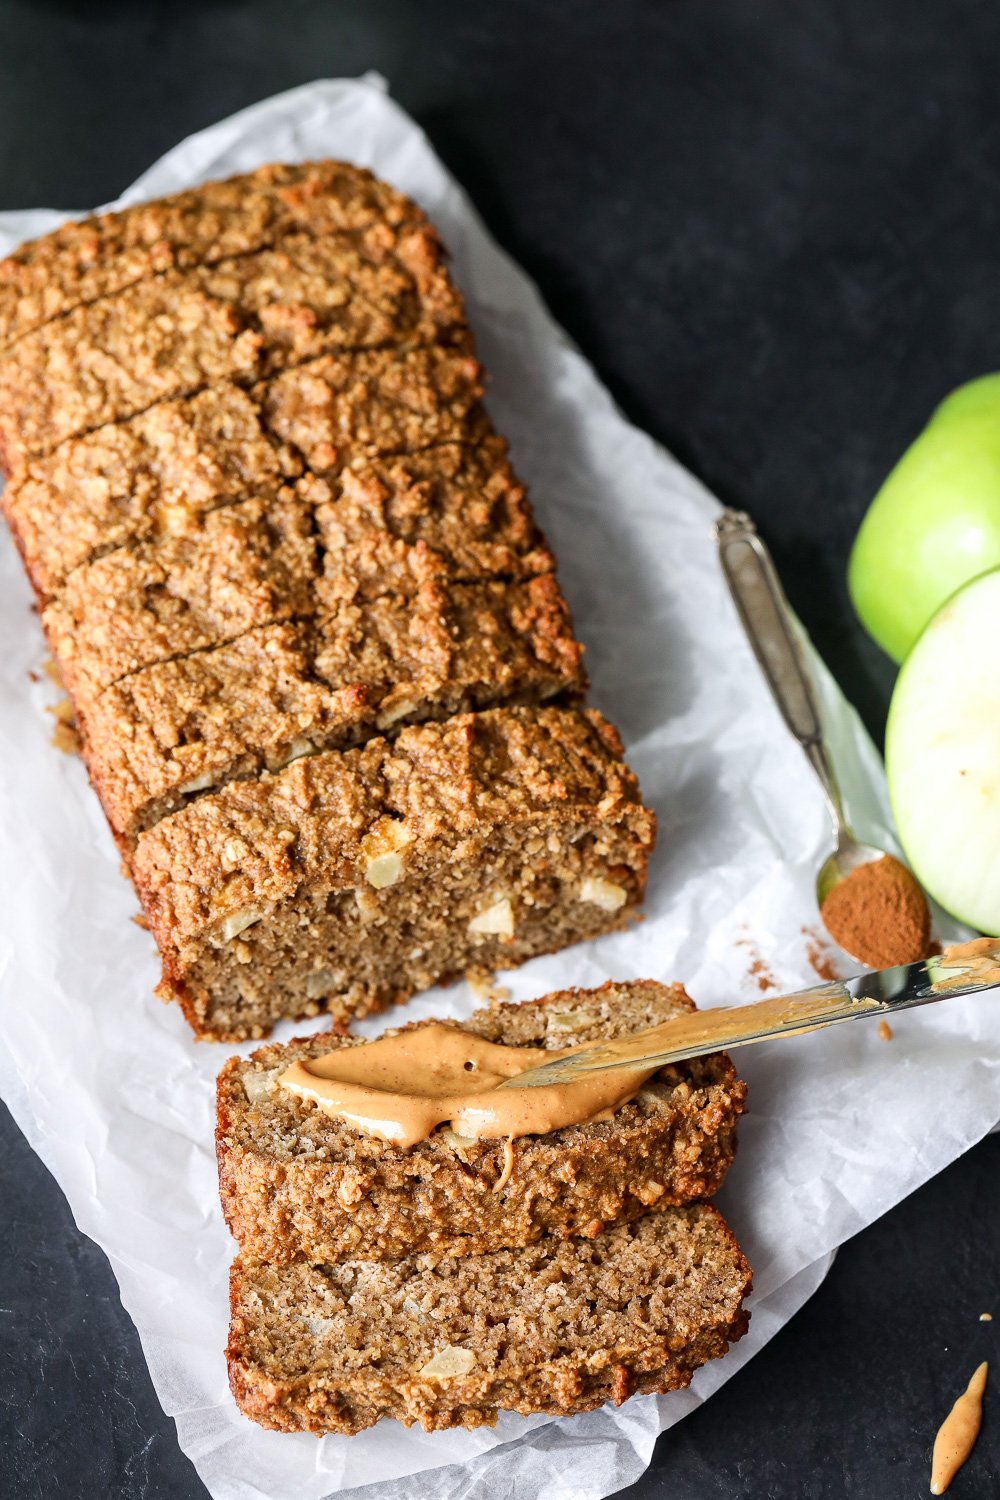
(965, 969)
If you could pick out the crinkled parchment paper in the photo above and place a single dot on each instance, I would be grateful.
(117, 1099)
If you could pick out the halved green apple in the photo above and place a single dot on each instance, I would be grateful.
(935, 523)
(942, 755)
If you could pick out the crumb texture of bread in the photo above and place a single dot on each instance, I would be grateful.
(389, 858)
(560, 1327)
(298, 1184)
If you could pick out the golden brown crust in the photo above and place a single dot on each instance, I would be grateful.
(452, 511)
(161, 472)
(246, 565)
(339, 407)
(158, 736)
(558, 1327)
(133, 481)
(237, 320)
(105, 253)
(298, 1185)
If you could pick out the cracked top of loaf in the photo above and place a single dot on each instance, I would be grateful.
(105, 253)
(253, 843)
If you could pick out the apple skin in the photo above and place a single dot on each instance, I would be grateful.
(935, 523)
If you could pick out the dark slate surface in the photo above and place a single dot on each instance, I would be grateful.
(775, 230)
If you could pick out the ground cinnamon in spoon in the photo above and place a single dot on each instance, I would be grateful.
(878, 914)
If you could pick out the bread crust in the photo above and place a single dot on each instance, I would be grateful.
(105, 253)
(239, 320)
(161, 473)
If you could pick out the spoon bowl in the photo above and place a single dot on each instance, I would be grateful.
(849, 855)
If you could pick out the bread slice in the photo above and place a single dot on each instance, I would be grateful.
(559, 1327)
(352, 879)
(298, 1184)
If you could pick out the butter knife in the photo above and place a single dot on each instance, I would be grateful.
(966, 969)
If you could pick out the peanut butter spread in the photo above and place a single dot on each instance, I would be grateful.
(402, 1087)
(957, 1435)
(977, 962)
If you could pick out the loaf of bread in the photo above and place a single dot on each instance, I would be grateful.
(560, 1326)
(298, 599)
(299, 1184)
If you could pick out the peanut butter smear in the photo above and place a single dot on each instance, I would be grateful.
(401, 1088)
(977, 962)
(958, 1434)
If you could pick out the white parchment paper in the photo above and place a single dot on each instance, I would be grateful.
(117, 1099)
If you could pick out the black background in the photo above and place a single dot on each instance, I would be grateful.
(775, 229)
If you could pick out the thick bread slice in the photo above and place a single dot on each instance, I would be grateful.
(348, 881)
(297, 1184)
(156, 738)
(559, 1327)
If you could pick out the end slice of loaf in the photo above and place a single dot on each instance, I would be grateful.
(348, 881)
(298, 1184)
(559, 1327)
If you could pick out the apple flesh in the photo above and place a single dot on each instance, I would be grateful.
(935, 523)
(942, 755)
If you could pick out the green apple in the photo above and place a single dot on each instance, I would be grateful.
(935, 523)
(942, 755)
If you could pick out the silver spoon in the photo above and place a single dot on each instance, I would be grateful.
(762, 607)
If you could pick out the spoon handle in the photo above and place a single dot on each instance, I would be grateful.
(767, 619)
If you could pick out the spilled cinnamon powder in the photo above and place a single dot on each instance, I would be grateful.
(820, 960)
(758, 969)
(878, 914)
